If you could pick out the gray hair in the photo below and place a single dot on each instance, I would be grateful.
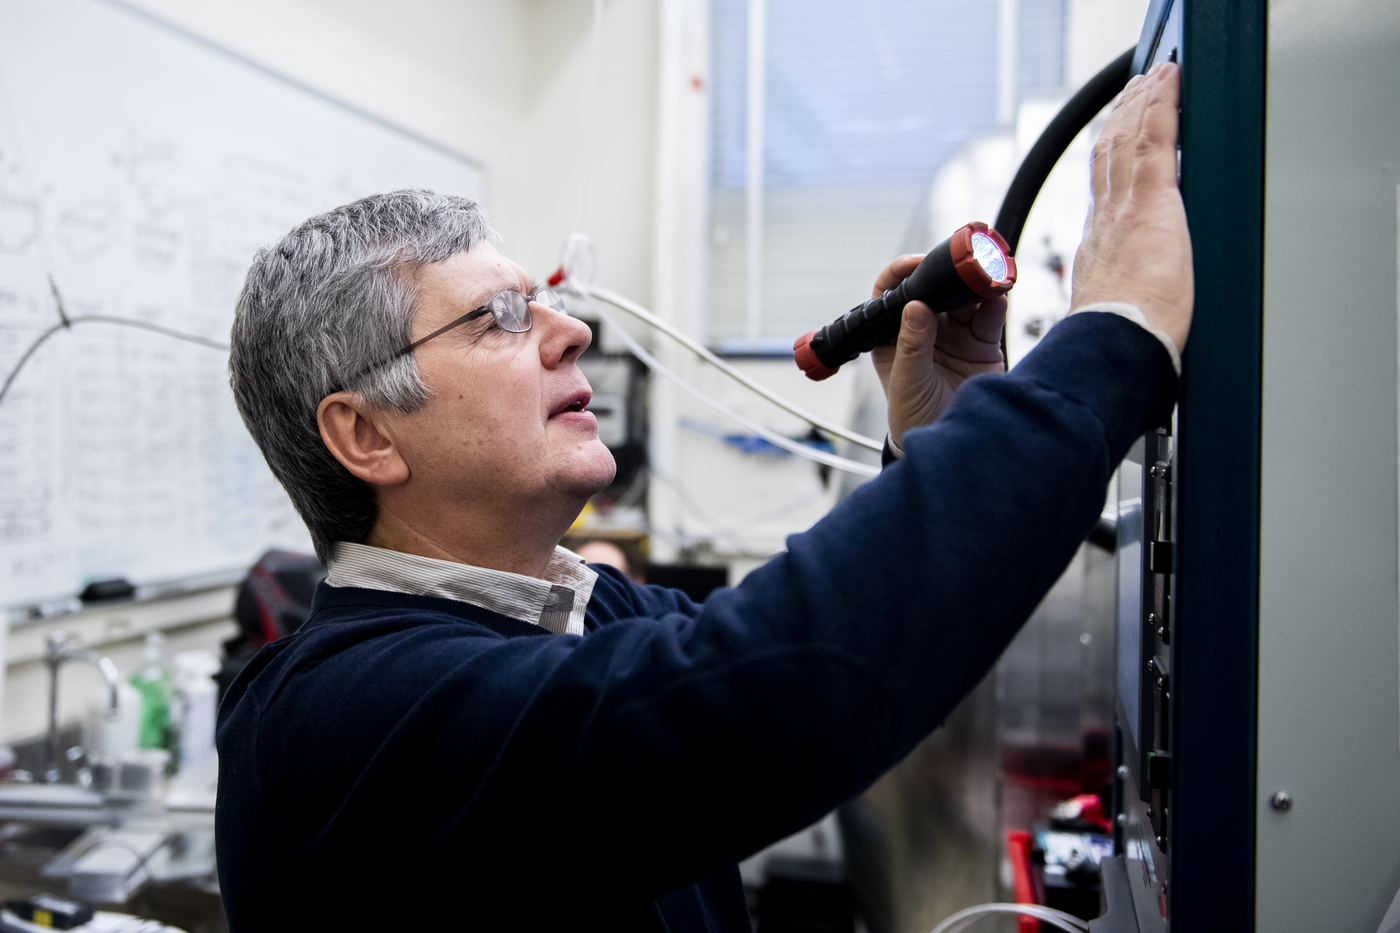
(321, 309)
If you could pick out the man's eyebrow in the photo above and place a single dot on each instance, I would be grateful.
(524, 286)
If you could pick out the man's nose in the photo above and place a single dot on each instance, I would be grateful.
(565, 337)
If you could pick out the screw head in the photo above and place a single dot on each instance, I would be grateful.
(1122, 819)
(1122, 772)
(1281, 801)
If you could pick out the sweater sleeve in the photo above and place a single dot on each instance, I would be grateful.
(656, 748)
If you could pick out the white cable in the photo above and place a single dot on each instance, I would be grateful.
(636, 310)
(1058, 918)
(802, 450)
(578, 262)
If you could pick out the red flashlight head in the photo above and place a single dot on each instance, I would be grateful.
(983, 260)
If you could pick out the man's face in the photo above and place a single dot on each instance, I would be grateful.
(505, 423)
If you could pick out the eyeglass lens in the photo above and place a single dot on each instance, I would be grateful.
(512, 309)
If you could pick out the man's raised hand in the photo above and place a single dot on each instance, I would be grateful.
(934, 354)
(1136, 247)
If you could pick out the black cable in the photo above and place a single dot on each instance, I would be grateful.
(1095, 95)
(58, 300)
(67, 322)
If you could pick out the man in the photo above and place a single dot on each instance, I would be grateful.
(474, 730)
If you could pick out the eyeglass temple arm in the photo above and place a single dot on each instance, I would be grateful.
(404, 351)
(469, 316)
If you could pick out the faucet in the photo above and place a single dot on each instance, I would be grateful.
(56, 652)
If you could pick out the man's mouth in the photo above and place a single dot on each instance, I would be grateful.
(575, 403)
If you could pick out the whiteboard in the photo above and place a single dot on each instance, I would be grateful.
(141, 167)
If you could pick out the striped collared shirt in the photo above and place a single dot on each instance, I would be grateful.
(557, 602)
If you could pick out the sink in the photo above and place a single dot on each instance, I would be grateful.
(64, 804)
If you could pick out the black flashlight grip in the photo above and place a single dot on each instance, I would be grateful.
(950, 276)
(934, 281)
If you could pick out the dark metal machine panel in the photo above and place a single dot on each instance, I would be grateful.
(1214, 644)
(1189, 502)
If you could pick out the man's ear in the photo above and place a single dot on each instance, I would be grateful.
(353, 436)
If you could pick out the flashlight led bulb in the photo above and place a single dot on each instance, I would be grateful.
(989, 256)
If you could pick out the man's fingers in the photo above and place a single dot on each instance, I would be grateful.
(1137, 145)
(982, 321)
(915, 386)
(1130, 90)
(1123, 147)
(1099, 160)
(896, 272)
(1113, 152)
(1156, 156)
(971, 334)
(918, 329)
(988, 321)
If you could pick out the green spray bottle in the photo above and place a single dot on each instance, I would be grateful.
(154, 684)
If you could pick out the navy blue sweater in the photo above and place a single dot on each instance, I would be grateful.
(404, 760)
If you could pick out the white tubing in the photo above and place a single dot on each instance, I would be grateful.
(965, 918)
(802, 450)
(636, 310)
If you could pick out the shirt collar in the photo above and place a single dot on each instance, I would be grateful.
(557, 601)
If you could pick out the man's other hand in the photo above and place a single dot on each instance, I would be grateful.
(934, 354)
(1136, 248)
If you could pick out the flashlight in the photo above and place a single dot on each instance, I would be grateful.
(972, 265)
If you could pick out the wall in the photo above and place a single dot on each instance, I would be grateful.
(503, 81)
(1098, 31)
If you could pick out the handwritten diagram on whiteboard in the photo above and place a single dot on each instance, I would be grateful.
(139, 170)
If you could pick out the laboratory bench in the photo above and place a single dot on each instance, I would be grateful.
(127, 853)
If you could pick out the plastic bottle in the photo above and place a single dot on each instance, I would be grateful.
(196, 706)
(196, 697)
(108, 738)
(153, 683)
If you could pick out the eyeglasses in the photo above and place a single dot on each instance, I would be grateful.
(510, 309)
